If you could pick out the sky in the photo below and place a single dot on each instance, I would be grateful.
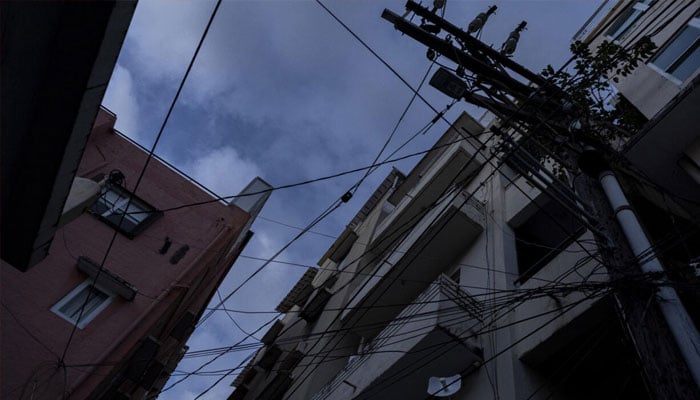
(282, 91)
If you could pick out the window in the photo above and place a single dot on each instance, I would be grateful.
(543, 236)
(111, 206)
(680, 57)
(69, 307)
(623, 23)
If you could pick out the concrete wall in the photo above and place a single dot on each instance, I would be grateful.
(649, 88)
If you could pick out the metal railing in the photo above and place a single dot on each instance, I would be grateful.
(443, 284)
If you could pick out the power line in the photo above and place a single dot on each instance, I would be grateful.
(28, 331)
(260, 268)
(321, 217)
(397, 124)
(489, 158)
(308, 181)
(215, 358)
(345, 26)
(389, 381)
(336, 204)
(446, 323)
(268, 261)
(507, 296)
(142, 172)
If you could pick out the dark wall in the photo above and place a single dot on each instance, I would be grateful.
(57, 58)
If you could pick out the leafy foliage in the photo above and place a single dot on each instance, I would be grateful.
(591, 105)
(589, 90)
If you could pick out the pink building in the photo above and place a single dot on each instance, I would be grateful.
(160, 273)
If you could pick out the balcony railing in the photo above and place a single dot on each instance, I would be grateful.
(434, 336)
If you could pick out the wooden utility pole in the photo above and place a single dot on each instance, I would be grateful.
(658, 356)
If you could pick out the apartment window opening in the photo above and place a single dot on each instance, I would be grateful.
(591, 349)
(680, 57)
(543, 236)
(112, 205)
(74, 309)
(625, 21)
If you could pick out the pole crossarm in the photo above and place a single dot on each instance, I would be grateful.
(480, 67)
(475, 44)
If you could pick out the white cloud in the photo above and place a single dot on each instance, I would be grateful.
(223, 171)
(121, 99)
(163, 35)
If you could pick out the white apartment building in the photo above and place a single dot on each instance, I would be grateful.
(450, 271)
(464, 279)
(664, 88)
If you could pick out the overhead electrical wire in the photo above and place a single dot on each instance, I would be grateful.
(334, 206)
(142, 172)
(268, 261)
(447, 323)
(495, 169)
(233, 320)
(264, 265)
(345, 26)
(396, 126)
(603, 284)
(562, 289)
(397, 376)
(301, 183)
(446, 347)
(213, 359)
(368, 169)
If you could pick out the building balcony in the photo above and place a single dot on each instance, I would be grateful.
(435, 242)
(434, 336)
(424, 186)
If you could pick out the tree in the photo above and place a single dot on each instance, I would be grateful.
(596, 115)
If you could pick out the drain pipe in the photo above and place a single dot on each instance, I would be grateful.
(682, 328)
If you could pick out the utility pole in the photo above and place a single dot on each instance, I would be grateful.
(669, 372)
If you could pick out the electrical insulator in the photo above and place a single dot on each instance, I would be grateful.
(480, 20)
(438, 4)
(511, 43)
(431, 54)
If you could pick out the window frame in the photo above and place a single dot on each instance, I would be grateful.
(624, 26)
(124, 196)
(85, 318)
(693, 23)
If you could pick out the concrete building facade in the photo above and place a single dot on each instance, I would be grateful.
(664, 88)
(101, 320)
(465, 280)
(451, 276)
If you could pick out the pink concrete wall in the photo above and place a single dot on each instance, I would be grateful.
(208, 230)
